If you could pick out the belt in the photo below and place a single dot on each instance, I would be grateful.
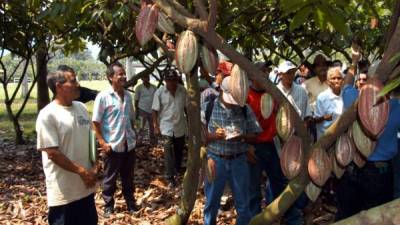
(229, 157)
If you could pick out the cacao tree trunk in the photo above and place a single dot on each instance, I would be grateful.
(191, 177)
(19, 139)
(42, 89)
(386, 214)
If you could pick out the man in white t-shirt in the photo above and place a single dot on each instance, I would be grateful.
(63, 128)
(144, 94)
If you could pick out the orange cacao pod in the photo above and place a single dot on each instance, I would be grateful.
(344, 150)
(363, 143)
(209, 58)
(284, 124)
(312, 191)
(186, 52)
(291, 157)
(373, 110)
(319, 166)
(239, 85)
(266, 105)
(146, 23)
(164, 24)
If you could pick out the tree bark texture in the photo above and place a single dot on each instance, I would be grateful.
(42, 89)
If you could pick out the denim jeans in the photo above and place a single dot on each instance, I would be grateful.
(396, 172)
(268, 161)
(236, 173)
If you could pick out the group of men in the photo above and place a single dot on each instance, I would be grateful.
(241, 144)
(64, 132)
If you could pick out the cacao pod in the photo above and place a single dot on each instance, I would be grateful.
(164, 24)
(186, 51)
(373, 110)
(209, 59)
(284, 124)
(319, 166)
(363, 143)
(239, 85)
(312, 191)
(359, 159)
(337, 169)
(266, 105)
(343, 150)
(291, 157)
(146, 23)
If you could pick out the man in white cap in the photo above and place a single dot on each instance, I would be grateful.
(295, 93)
(229, 130)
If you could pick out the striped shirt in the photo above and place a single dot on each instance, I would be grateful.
(231, 118)
(297, 96)
(115, 116)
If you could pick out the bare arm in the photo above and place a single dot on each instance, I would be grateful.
(88, 176)
(156, 125)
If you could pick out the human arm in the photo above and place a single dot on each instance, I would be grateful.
(56, 156)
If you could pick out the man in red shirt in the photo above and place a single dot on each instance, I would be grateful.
(265, 158)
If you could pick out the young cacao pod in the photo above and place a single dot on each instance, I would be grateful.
(209, 58)
(146, 23)
(344, 150)
(337, 169)
(164, 24)
(363, 143)
(319, 166)
(312, 191)
(373, 110)
(291, 157)
(284, 124)
(266, 105)
(186, 52)
(239, 85)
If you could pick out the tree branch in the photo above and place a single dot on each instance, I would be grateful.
(133, 80)
(201, 9)
(212, 17)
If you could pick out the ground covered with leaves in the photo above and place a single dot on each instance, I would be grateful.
(23, 196)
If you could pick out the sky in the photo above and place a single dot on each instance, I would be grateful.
(94, 49)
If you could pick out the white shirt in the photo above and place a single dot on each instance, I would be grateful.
(171, 114)
(313, 88)
(67, 129)
(297, 96)
(145, 97)
(328, 103)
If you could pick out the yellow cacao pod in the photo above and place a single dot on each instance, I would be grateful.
(239, 85)
(266, 105)
(186, 52)
(312, 191)
(284, 124)
(363, 143)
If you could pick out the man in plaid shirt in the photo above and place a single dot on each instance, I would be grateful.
(229, 129)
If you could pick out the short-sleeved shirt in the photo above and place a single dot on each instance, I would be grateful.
(208, 94)
(297, 96)
(171, 111)
(115, 117)
(145, 97)
(386, 146)
(67, 129)
(314, 87)
(268, 125)
(328, 103)
(225, 117)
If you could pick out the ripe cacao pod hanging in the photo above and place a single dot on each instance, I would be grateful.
(312, 191)
(363, 143)
(291, 157)
(344, 150)
(373, 110)
(146, 23)
(209, 59)
(284, 124)
(164, 24)
(239, 85)
(319, 166)
(266, 105)
(186, 52)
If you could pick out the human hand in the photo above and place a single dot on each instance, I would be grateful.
(220, 133)
(88, 177)
(327, 117)
(105, 147)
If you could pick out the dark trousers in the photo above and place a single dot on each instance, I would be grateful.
(80, 212)
(173, 154)
(365, 188)
(268, 161)
(123, 164)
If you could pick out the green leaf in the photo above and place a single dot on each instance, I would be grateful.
(390, 86)
(300, 18)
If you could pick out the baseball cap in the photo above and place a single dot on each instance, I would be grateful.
(286, 66)
(170, 75)
(226, 93)
(225, 68)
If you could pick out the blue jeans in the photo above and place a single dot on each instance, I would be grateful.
(268, 161)
(236, 172)
(396, 172)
